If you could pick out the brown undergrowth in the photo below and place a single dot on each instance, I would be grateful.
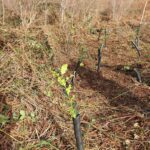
(114, 106)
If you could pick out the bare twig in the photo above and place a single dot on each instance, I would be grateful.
(137, 48)
(143, 12)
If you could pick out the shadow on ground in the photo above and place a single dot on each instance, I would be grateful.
(110, 89)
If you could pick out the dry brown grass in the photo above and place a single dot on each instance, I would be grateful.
(114, 107)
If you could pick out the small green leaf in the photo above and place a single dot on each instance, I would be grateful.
(68, 90)
(55, 74)
(3, 119)
(48, 93)
(43, 143)
(64, 69)
(62, 81)
(22, 114)
(73, 113)
(32, 114)
(15, 116)
(126, 68)
(72, 98)
(81, 64)
(67, 78)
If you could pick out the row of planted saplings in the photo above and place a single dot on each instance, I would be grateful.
(135, 45)
(68, 82)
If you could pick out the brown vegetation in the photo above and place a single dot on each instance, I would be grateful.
(36, 36)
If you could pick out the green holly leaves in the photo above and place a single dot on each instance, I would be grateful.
(63, 81)
(68, 89)
(63, 69)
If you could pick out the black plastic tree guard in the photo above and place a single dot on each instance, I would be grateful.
(99, 57)
(77, 132)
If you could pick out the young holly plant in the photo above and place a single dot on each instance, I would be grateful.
(63, 81)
